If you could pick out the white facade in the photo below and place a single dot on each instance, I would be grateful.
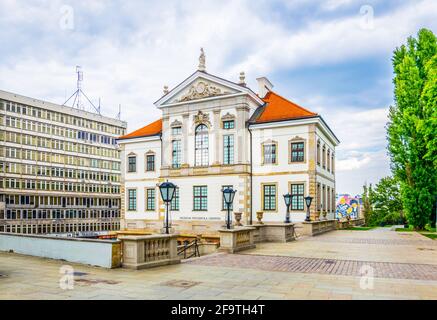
(234, 156)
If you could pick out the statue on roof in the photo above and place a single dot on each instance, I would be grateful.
(202, 66)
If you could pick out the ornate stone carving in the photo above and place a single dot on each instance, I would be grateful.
(201, 117)
(201, 90)
(228, 116)
(176, 123)
(296, 138)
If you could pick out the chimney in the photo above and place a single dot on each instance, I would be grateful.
(264, 86)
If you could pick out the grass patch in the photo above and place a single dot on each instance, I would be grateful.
(432, 236)
(405, 230)
(360, 228)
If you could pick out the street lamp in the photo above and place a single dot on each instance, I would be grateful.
(167, 190)
(228, 196)
(308, 201)
(287, 199)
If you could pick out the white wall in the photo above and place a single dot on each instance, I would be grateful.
(86, 251)
(282, 173)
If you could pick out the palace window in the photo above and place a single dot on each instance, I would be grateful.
(269, 153)
(297, 152)
(200, 198)
(201, 146)
(132, 164)
(324, 207)
(174, 204)
(324, 157)
(132, 199)
(269, 197)
(224, 205)
(318, 152)
(328, 159)
(150, 199)
(228, 149)
(332, 162)
(176, 131)
(150, 162)
(176, 153)
(228, 124)
(319, 199)
(297, 196)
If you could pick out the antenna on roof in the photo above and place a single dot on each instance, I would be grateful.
(119, 112)
(77, 102)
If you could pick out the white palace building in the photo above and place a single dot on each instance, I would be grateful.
(216, 133)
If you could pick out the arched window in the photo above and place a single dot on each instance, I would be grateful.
(201, 145)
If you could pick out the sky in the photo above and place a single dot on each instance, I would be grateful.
(332, 57)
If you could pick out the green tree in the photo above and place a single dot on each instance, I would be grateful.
(367, 203)
(387, 204)
(411, 130)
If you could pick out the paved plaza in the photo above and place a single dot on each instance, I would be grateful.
(335, 265)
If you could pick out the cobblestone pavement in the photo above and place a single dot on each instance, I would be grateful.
(296, 270)
(322, 266)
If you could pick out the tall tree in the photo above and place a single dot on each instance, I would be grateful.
(411, 130)
(387, 204)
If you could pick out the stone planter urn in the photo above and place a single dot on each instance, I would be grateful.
(238, 216)
(259, 216)
(324, 215)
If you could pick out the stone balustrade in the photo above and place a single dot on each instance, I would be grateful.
(237, 239)
(274, 232)
(147, 251)
(313, 228)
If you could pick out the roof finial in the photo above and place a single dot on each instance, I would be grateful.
(242, 79)
(165, 89)
(202, 66)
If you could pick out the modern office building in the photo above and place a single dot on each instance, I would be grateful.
(59, 168)
(215, 133)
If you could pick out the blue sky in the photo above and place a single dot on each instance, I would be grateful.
(332, 57)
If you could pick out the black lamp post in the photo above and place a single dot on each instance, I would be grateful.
(228, 196)
(167, 190)
(308, 201)
(287, 199)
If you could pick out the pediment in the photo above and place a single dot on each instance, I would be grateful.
(200, 86)
(200, 89)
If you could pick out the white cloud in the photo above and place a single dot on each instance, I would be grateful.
(129, 50)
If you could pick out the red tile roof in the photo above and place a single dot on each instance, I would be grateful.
(278, 108)
(151, 129)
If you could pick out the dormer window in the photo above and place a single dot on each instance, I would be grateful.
(176, 131)
(229, 124)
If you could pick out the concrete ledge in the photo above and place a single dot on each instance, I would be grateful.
(238, 239)
(274, 232)
(102, 253)
(313, 228)
(344, 224)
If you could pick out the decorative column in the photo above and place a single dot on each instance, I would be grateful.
(241, 133)
(312, 171)
(216, 132)
(185, 139)
(166, 143)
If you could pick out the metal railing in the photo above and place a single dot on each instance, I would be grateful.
(193, 245)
